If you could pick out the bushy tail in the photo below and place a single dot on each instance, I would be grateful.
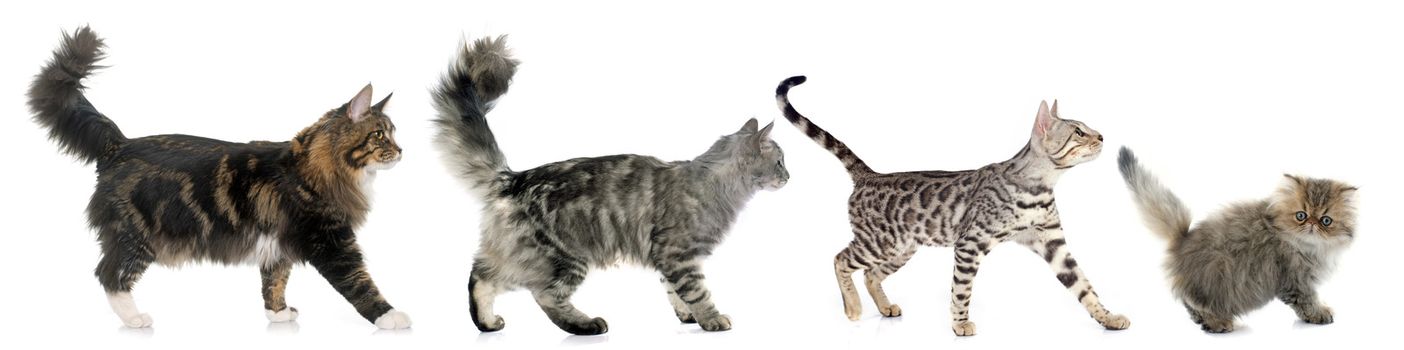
(1161, 210)
(481, 74)
(57, 101)
(856, 167)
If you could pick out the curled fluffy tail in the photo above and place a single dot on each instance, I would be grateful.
(855, 166)
(1161, 210)
(480, 74)
(57, 101)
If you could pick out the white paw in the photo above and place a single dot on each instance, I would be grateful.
(393, 320)
(138, 321)
(288, 314)
(1115, 322)
(963, 328)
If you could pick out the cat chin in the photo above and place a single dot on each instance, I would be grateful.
(372, 167)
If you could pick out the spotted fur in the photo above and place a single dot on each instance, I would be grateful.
(176, 199)
(971, 210)
(1249, 253)
(543, 229)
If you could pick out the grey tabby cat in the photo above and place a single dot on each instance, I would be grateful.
(1250, 252)
(972, 210)
(544, 228)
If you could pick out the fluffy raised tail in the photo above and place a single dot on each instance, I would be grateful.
(1161, 210)
(57, 101)
(856, 167)
(480, 74)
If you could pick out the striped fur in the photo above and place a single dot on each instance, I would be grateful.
(177, 199)
(891, 215)
(544, 229)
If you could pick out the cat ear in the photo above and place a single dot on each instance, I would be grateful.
(1295, 180)
(1045, 119)
(761, 136)
(380, 106)
(749, 127)
(1055, 108)
(359, 105)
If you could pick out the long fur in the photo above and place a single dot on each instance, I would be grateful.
(1161, 210)
(855, 166)
(545, 228)
(177, 199)
(57, 101)
(481, 73)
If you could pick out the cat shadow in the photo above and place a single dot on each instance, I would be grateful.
(582, 340)
(393, 332)
(283, 328)
(886, 324)
(490, 337)
(1239, 330)
(1299, 324)
(144, 332)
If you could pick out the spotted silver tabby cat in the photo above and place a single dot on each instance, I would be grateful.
(972, 210)
(544, 228)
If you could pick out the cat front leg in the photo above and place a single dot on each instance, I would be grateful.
(968, 252)
(1053, 248)
(275, 281)
(338, 259)
(685, 279)
(680, 308)
(1303, 300)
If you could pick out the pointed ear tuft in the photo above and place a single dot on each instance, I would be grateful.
(380, 106)
(1044, 121)
(749, 127)
(359, 105)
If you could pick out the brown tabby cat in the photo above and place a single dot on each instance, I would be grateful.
(173, 199)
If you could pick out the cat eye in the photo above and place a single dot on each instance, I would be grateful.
(378, 135)
(1080, 133)
(1301, 216)
(1326, 220)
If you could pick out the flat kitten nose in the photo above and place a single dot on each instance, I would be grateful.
(1099, 137)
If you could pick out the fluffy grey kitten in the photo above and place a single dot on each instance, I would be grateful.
(1242, 257)
(544, 228)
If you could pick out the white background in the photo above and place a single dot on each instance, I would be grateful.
(1218, 99)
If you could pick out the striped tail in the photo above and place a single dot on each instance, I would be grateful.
(57, 101)
(856, 167)
(481, 73)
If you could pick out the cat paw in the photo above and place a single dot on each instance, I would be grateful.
(1216, 326)
(393, 320)
(963, 328)
(493, 325)
(891, 311)
(1320, 315)
(288, 314)
(595, 326)
(1115, 322)
(716, 324)
(137, 321)
(853, 312)
(686, 317)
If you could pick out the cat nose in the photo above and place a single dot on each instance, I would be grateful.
(1099, 137)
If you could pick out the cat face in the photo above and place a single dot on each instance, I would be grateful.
(1066, 142)
(356, 137)
(1315, 210)
(760, 159)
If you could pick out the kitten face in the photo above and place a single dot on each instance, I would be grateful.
(1315, 210)
(1066, 142)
